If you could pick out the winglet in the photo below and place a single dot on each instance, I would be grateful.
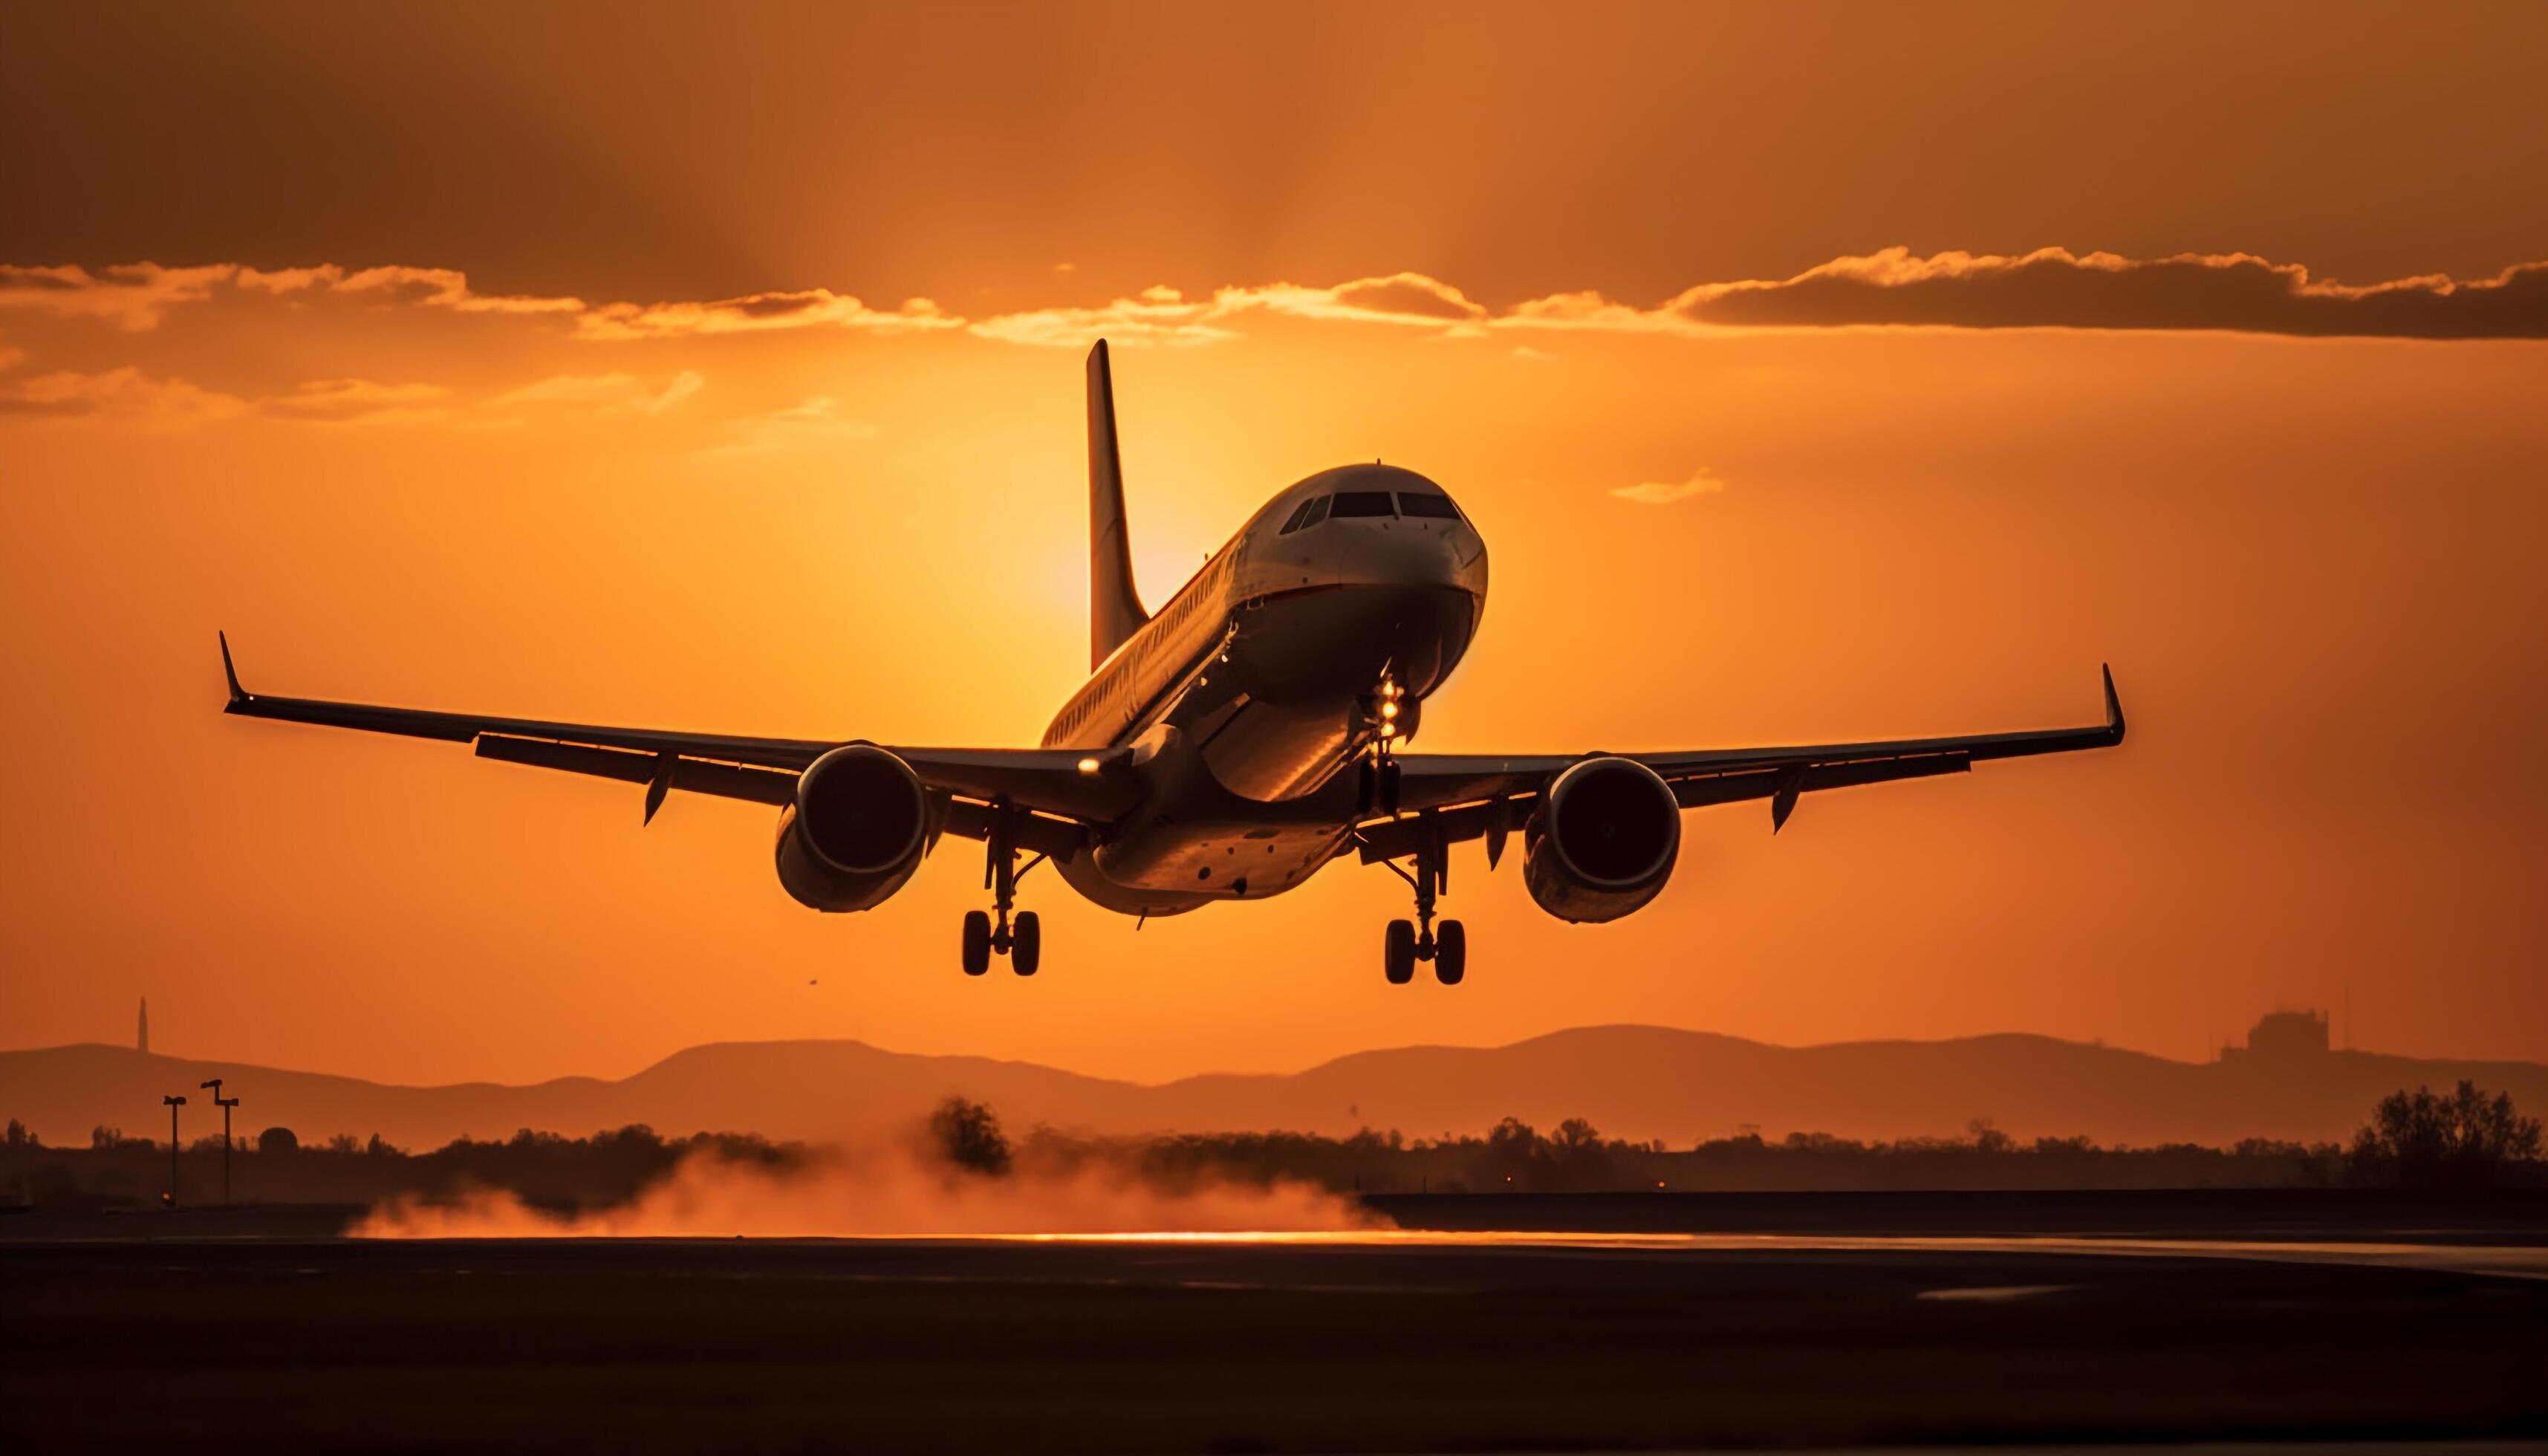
(2114, 707)
(238, 695)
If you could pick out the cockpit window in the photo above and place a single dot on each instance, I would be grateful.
(1307, 513)
(1434, 507)
(1362, 502)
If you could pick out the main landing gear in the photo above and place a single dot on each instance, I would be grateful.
(1022, 940)
(1409, 943)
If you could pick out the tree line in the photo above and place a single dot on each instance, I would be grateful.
(2463, 1138)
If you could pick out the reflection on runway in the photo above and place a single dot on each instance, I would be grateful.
(2515, 1262)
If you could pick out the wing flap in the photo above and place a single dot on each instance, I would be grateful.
(692, 775)
(1059, 784)
(1462, 793)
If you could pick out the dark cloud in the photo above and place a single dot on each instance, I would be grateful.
(2236, 292)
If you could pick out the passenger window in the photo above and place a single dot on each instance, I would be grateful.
(1361, 503)
(1432, 508)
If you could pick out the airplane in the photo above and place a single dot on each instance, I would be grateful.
(1227, 745)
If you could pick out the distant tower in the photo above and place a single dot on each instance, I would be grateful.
(141, 1037)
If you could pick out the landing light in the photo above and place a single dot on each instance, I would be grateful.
(1389, 710)
(1088, 766)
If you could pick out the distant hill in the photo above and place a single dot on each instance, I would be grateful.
(1638, 1082)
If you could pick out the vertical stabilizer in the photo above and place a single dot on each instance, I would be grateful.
(1113, 606)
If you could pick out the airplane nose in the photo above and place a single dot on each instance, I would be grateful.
(1423, 554)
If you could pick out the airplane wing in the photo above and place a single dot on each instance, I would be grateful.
(1464, 796)
(1062, 789)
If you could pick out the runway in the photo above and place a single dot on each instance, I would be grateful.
(1427, 1341)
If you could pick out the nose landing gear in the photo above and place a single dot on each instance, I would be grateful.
(1406, 943)
(1022, 941)
(1388, 709)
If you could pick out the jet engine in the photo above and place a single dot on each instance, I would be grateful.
(1604, 840)
(857, 831)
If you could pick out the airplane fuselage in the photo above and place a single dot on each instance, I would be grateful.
(1244, 696)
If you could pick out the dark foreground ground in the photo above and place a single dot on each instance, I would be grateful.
(258, 1329)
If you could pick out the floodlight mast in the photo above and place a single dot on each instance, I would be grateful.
(174, 1103)
(225, 1104)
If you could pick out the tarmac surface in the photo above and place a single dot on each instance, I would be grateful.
(260, 1330)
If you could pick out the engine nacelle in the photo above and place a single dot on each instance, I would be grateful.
(1604, 840)
(857, 831)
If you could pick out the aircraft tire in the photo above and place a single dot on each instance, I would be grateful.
(1026, 944)
(1451, 953)
(978, 941)
(1398, 953)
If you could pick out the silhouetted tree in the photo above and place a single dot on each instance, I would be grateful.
(21, 1136)
(1582, 1160)
(276, 1141)
(1513, 1156)
(2465, 1140)
(968, 1134)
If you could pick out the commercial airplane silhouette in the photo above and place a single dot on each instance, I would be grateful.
(1227, 745)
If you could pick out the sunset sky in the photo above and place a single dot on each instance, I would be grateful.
(1812, 372)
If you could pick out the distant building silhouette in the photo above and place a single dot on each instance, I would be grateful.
(141, 1037)
(2282, 1037)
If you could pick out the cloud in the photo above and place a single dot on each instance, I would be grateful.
(2053, 287)
(1399, 298)
(1165, 316)
(1663, 493)
(125, 396)
(131, 296)
(361, 402)
(813, 308)
(11, 358)
(606, 394)
(1160, 315)
(813, 424)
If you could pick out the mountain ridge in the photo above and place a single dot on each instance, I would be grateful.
(1630, 1081)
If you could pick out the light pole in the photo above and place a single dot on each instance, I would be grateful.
(225, 1104)
(174, 1103)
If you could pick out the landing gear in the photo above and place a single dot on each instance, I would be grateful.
(1397, 953)
(1408, 941)
(1023, 942)
(1026, 944)
(1377, 776)
(1451, 953)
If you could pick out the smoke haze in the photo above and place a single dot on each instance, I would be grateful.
(892, 1191)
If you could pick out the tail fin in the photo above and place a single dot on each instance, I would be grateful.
(1113, 606)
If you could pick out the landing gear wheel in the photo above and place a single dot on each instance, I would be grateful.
(1450, 953)
(1398, 953)
(977, 943)
(1026, 944)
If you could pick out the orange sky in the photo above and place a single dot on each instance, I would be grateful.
(584, 473)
